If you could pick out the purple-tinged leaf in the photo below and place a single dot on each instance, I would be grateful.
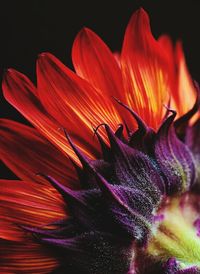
(174, 158)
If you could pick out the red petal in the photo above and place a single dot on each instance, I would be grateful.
(20, 92)
(74, 103)
(94, 62)
(24, 203)
(146, 70)
(185, 96)
(167, 45)
(26, 153)
(117, 57)
(25, 257)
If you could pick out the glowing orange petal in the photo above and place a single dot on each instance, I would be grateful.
(117, 57)
(167, 45)
(24, 203)
(26, 153)
(25, 257)
(72, 100)
(20, 92)
(146, 70)
(94, 62)
(186, 93)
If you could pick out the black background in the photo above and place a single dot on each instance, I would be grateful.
(31, 27)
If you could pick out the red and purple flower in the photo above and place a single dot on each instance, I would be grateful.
(109, 173)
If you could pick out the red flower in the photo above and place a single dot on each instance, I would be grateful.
(101, 206)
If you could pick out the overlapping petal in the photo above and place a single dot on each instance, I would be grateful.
(24, 204)
(26, 153)
(146, 70)
(125, 206)
(71, 100)
(22, 94)
(25, 257)
(185, 95)
(94, 62)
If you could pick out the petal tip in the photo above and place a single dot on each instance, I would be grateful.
(9, 76)
(9, 73)
(44, 55)
(85, 32)
(141, 13)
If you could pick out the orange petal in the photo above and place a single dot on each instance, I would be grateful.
(26, 153)
(117, 57)
(20, 92)
(24, 203)
(73, 101)
(146, 70)
(25, 257)
(94, 62)
(167, 45)
(186, 94)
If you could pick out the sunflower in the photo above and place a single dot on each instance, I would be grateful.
(109, 173)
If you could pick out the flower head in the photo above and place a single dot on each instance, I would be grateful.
(109, 172)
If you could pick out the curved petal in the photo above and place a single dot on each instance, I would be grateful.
(20, 92)
(24, 204)
(146, 70)
(26, 153)
(25, 257)
(186, 94)
(183, 95)
(94, 62)
(117, 56)
(71, 100)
